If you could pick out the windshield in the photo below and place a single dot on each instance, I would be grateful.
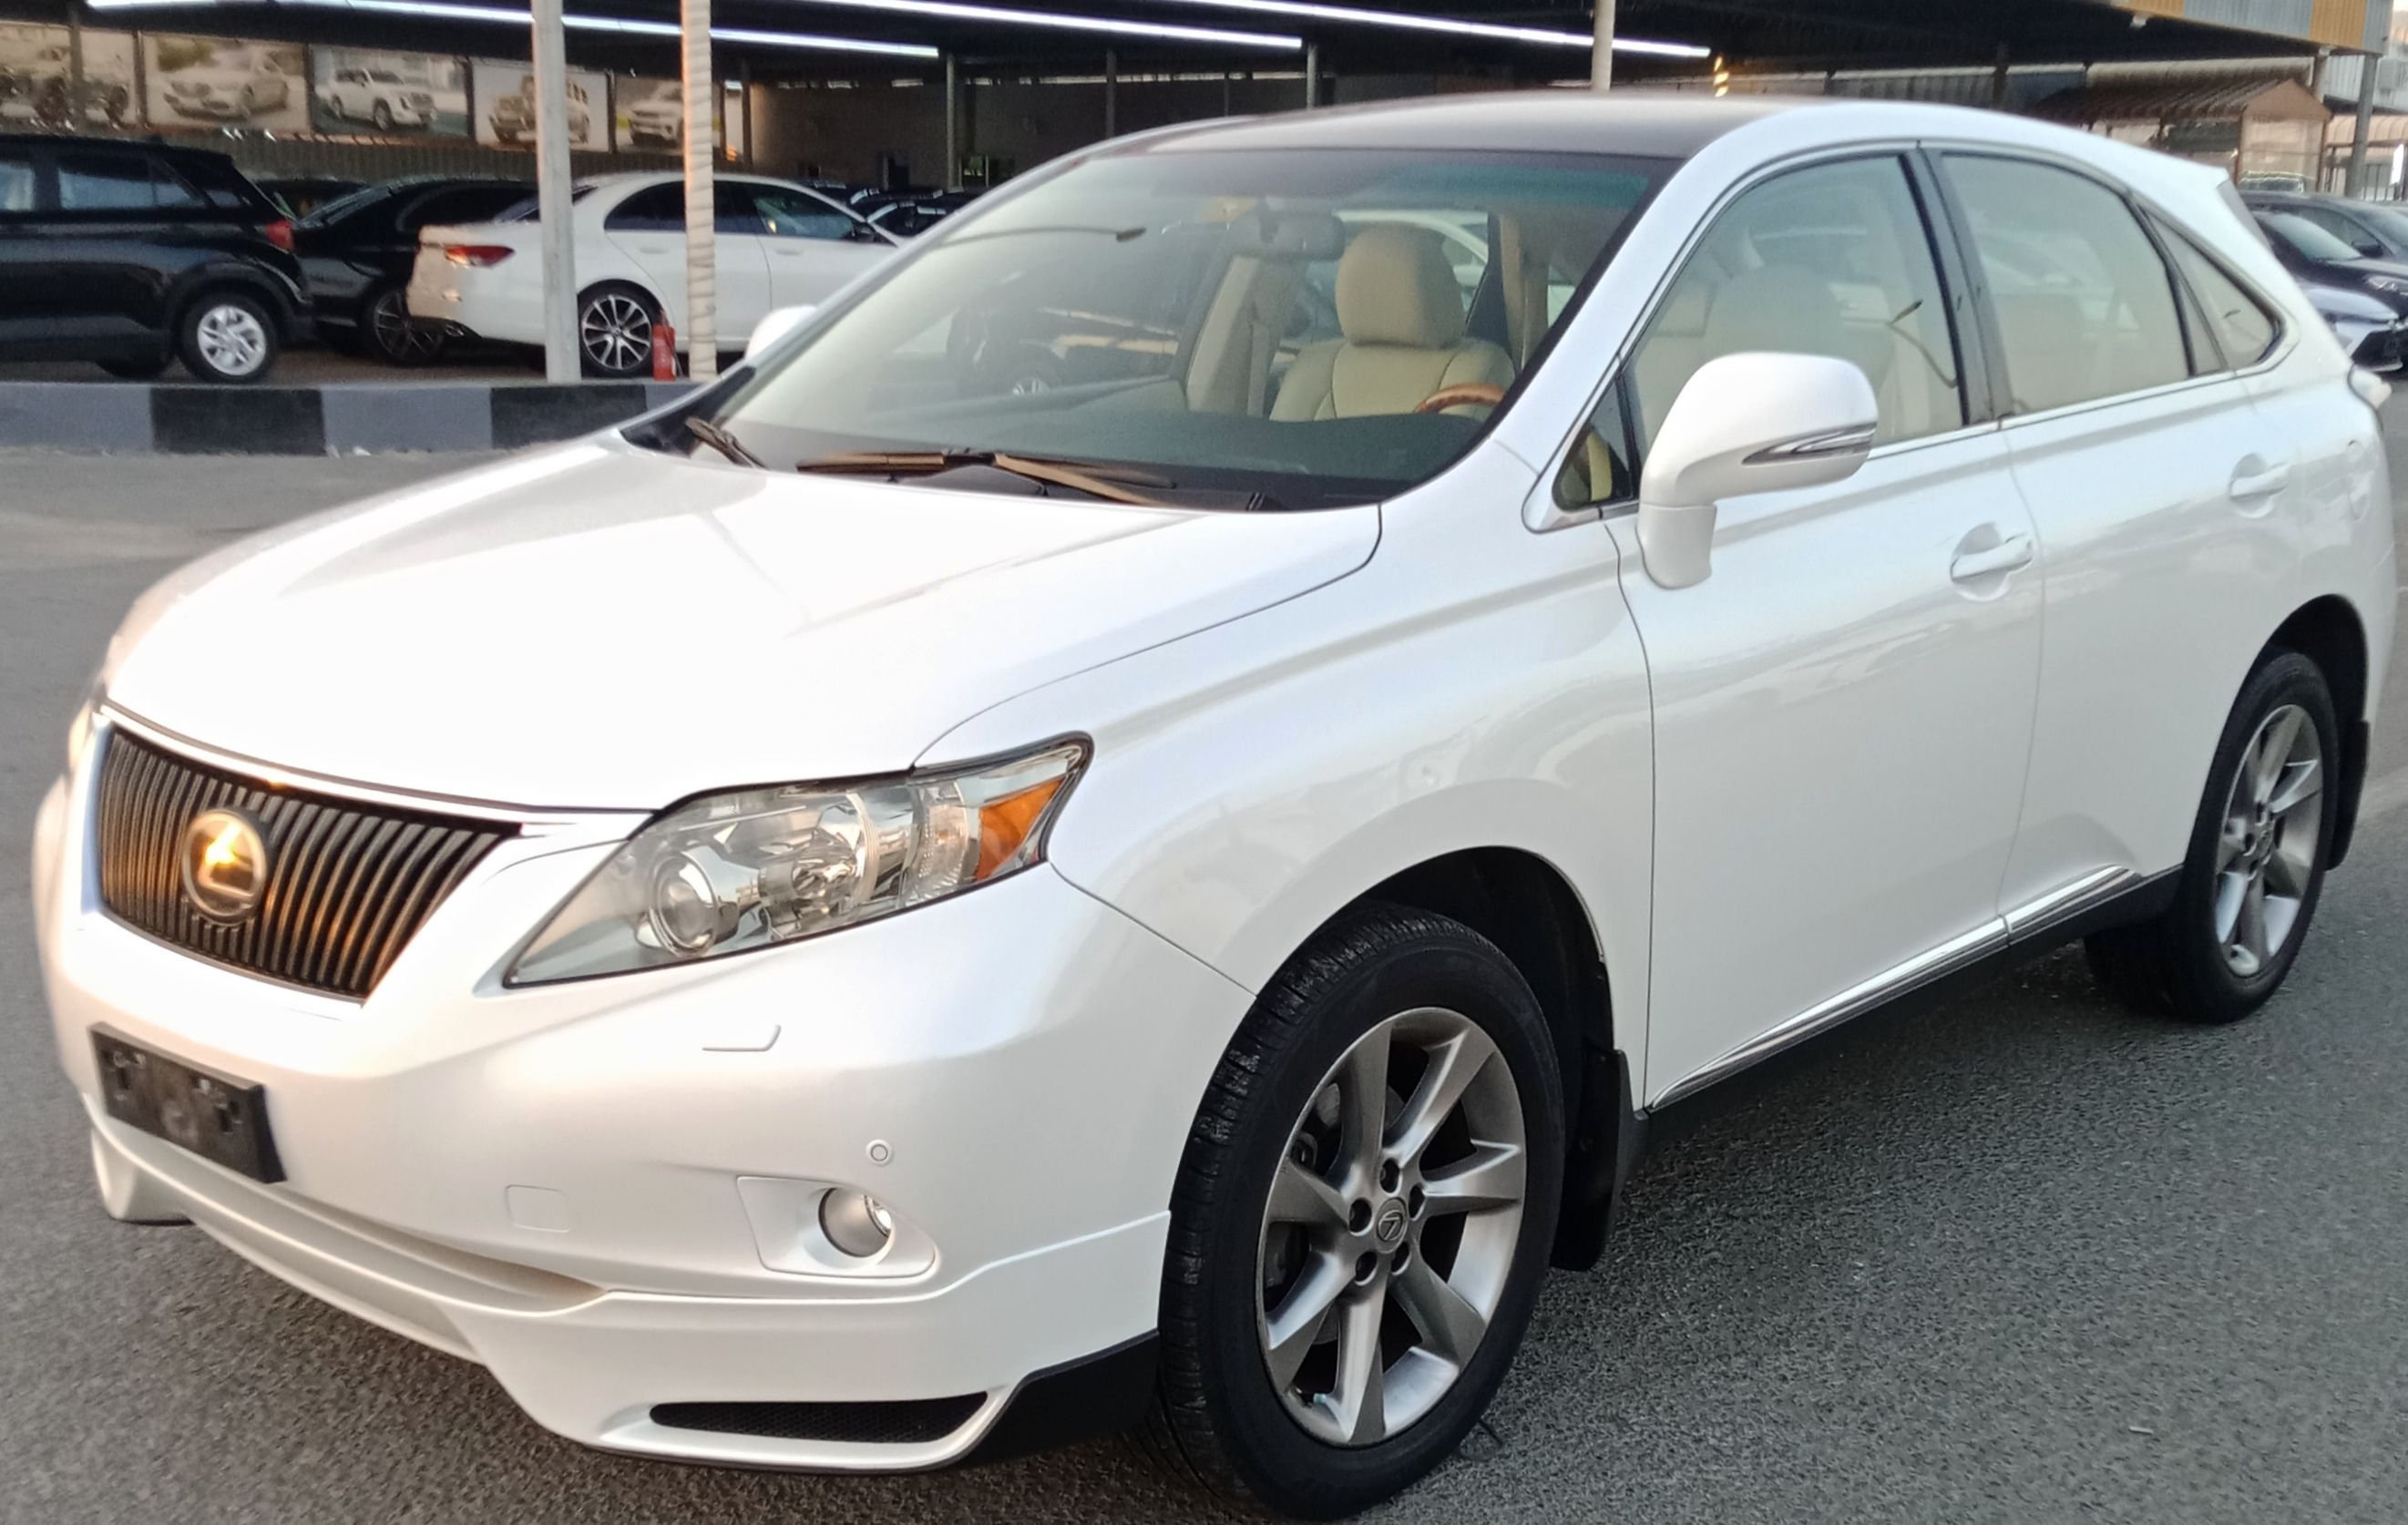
(2305, 238)
(1299, 330)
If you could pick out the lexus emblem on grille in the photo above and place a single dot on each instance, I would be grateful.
(225, 866)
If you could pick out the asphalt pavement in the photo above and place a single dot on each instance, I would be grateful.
(2025, 1258)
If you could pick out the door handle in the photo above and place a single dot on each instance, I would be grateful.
(2011, 554)
(2255, 478)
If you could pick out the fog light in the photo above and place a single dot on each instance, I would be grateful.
(855, 1223)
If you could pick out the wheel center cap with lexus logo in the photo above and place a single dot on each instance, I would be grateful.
(1390, 1225)
(224, 860)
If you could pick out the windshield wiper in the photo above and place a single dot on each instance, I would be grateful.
(724, 443)
(1113, 484)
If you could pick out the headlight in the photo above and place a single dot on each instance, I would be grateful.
(728, 873)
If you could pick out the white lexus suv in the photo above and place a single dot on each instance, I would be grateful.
(882, 917)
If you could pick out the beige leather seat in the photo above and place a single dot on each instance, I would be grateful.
(1401, 313)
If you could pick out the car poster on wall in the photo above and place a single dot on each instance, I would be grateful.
(504, 97)
(357, 91)
(224, 81)
(37, 77)
(648, 116)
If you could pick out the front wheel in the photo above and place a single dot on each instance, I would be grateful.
(390, 334)
(381, 116)
(1362, 1218)
(2256, 863)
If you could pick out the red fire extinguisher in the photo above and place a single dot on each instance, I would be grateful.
(664, 352)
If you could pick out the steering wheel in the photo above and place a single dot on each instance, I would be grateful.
(1483, 393)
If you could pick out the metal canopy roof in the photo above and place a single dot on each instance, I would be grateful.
(1174, 35)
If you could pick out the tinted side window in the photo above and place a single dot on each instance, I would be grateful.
(790, 214)
(16, 181)
(659, 208)
(105, 182)
(732, 206)
(2242, 327)
(1832, 260)
(2086, 307)
(465, 204)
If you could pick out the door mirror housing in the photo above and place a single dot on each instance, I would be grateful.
(775, 326)
(1752, 422)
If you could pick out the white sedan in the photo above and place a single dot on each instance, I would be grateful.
(779, 245)
(878, 918)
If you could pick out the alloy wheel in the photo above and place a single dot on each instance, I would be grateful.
(396, 337)
(617, 332)
(2274, 830)
(1389, 1235)
(232, 340)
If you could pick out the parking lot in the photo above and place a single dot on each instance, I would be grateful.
(2025, 1258)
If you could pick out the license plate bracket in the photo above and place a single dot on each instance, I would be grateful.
(219, 1117)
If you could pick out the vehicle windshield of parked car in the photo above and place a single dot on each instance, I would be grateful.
(1227, 329)
(2306, 239)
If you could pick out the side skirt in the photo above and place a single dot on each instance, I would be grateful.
(1610, 1139)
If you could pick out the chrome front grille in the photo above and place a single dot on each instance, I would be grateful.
(348, 884)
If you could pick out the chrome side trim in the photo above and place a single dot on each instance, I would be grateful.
(530, 821)
(2035, 915)
(2022, 922)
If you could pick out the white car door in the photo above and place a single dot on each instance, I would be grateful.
(2155, 479)
(649, 226)
(1842, 708)
(812, 245)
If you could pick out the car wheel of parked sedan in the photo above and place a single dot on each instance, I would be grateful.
(2257, 862)
(614, 332)
(382, 115)
(391, 336)
(1362, 1218)
(227, 336)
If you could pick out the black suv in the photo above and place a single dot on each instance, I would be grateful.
(358, 252)
(132, 254)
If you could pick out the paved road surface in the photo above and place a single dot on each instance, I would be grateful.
(2025, 1258)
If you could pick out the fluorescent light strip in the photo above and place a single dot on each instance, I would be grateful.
(1494, 32)
(442, 11)
(995, 15)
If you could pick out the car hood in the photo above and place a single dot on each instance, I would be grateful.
(600, 627)
(2344, 301)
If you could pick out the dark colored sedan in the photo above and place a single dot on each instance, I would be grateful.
(2376, 230)
(359, 250)
(2311, 253)
(132, 254)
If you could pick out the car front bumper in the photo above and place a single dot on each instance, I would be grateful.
(583, 1186)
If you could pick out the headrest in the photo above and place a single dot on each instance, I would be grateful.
(1394, 287)
(1778, 307)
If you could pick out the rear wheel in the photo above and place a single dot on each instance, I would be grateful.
(1362, 1218)
(614, 332)
(2256, 864)
(228, 337)
(382, 115)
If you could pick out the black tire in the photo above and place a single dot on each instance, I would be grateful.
(238, 312)
(380, 115)
(1219, 1420)
(614, 360)
(384, 330)
(133, 369)
(2176, 964)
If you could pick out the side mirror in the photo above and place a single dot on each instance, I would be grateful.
(1756, 422)
(775, 326)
